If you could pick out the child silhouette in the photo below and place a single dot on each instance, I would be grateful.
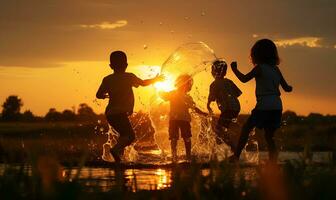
(268, 110)
(118, 88)
(225, 93)
(179, 116)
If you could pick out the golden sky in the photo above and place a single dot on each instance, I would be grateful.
(55, 53)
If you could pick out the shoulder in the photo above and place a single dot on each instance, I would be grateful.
(257, 70)
(128, 74)
(229, 81)
(226, 80)
(108, 77)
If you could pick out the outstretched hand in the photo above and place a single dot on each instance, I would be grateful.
(289, 88)
(159, 78)
(234, 65)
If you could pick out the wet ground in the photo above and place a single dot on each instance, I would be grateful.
(145, 175)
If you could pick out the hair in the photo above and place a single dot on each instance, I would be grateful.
(264, 51)
(184, 81)
(218, 69)
(118, 60)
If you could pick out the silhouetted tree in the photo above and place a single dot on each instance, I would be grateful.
(68, 115)
(11, 108)
(289, 116)
(53, 115)
(86, 113)
(315, 117)
(28, 116)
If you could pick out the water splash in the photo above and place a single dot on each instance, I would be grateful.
(194, 59)
(112, 138)
(130, 154)
(205, 144)
(251, 156)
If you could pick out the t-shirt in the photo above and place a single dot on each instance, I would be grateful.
(119, 88)
(225, 93)
(180, 103)
(267, 88)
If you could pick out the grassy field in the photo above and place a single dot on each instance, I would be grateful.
(47, 147)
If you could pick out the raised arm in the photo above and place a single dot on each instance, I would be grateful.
(284, 84)
(244, 77)
(151, 81)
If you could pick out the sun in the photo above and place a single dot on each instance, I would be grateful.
(151, 71)
(167, 85)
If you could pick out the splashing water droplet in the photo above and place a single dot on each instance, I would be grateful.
(191, 59)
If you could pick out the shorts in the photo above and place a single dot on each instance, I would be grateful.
(226, 117)
(175, 126)
(265, 119)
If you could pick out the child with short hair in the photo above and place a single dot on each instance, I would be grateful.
(179, 116)
(225, 93)
(118, 88)
(268, 110)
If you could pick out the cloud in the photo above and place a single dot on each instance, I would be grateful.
(105, 25)
(312, 42)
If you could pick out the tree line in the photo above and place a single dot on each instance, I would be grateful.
(11, 111)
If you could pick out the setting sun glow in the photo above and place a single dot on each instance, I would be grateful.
(166, 85)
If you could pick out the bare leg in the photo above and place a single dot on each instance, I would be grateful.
(122, 125)
(173, 143)
(187, 144)
(272, 150)
(246, 129)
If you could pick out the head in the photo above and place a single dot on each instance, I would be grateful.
(118, 61)
(218, 69)
(184, 83)
(264, 51)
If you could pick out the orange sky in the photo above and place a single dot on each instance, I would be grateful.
(54, 54)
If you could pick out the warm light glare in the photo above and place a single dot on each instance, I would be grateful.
(166, 85)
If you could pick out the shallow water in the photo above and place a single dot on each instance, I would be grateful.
(159, 176)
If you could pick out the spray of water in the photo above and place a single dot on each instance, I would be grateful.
(194, 59)
(112, 138)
